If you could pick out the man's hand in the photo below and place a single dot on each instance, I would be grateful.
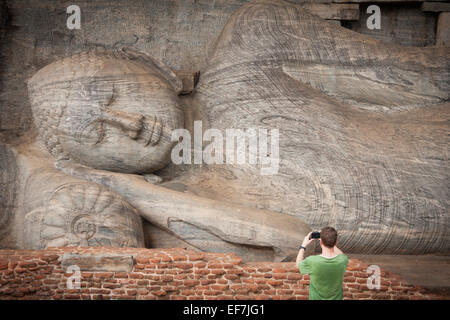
(307, 240)
(301, 253)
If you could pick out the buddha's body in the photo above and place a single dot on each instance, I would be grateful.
(363, 128)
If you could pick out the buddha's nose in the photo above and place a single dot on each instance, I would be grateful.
(130, 123)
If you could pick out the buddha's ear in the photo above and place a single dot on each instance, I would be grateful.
(158, 66)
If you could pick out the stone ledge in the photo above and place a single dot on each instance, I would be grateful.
(334, 11)
(435, 7)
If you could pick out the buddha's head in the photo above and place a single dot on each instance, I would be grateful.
(112, 111)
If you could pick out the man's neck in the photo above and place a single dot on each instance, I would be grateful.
(328, 252)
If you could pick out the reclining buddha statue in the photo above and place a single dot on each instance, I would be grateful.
(363, 144)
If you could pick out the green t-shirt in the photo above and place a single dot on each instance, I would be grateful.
(326, 276)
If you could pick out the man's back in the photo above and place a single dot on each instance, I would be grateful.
(326, 274)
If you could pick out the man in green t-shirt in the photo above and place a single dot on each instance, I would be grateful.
(326, 271)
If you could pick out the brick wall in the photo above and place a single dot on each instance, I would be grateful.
(177, 274)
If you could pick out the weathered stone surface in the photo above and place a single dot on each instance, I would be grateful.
(111, 262)
(435, 6)
(334, 11)
(443, 30)
(400, 24)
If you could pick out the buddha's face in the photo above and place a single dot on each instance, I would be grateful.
(118, 116)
